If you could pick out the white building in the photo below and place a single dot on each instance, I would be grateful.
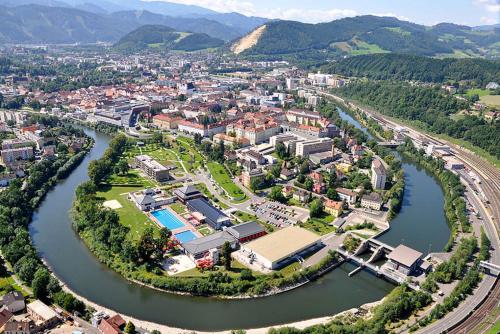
(379, 174)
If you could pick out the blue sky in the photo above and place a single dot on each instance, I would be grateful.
(429, 12)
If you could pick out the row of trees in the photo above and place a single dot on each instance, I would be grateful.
(428, 107)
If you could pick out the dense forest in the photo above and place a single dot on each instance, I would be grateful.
(409, 67)
(429, 107)
(372, 34)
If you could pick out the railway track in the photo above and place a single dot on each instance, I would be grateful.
(481, 313)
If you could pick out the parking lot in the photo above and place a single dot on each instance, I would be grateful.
(279, 215)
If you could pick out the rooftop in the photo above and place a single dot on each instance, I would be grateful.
(405, 255)
(283, 243)
(245, 229)
(42, 310)
(204, 244)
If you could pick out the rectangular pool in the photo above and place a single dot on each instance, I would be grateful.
(168, 219)
(185, 236)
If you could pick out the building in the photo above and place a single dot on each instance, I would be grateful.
(152, 168)
(187, 193)
(19, 327)
(5, 316)
(43, 316)
(202, 247)
(148, 199)
(300, 195)
(112, 325)
(212, 216)
(372, 201)
(334, 208)
(13, 155)
(13, 301)
(276, 249)
(249, 177)
(379, 174)
(230, 141)
(305, 148)
(246, 232)
(347, 195)
(166, 122)
(404, 259)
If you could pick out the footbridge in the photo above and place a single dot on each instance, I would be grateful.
(490, 268)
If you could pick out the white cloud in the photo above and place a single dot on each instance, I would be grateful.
(223, 6)
(295, 14)
(492, 6)
(488, 20)
(310, 15)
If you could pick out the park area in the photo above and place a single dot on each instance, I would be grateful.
(221, 176)
(116, 190)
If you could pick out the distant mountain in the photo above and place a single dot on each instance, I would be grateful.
(239, 24)
(369, 34)
(162, 37)
(45, 24)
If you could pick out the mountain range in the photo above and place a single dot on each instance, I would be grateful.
(89, 21)
(370, 34)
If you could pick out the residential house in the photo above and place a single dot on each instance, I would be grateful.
(372, 201)
(334, 208)
(43, 316)
(13, 301)
(112, 325)
(347, 195)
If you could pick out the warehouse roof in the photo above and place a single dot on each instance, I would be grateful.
(283, 243)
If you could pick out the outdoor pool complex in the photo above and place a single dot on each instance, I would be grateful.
(185, 236)
(168, 219)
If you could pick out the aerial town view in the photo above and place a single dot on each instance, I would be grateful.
(249, 166)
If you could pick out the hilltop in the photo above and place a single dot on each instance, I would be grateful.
(163, 37)
(369, 34)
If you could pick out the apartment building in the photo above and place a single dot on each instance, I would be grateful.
(152, 168)
(305, 148)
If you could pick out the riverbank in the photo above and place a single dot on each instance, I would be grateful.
(164, 329)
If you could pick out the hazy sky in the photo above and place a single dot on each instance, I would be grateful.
(429, 12)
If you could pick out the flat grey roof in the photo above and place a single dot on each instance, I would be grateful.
(405, 255)
(245, 229)
(204, 244)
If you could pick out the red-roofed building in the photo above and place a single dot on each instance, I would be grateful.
(113, 325)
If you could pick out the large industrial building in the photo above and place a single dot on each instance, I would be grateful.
(277, 249)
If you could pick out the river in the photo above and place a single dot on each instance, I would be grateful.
(73, 263)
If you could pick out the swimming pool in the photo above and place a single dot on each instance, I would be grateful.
(185, 236)
(168, 219)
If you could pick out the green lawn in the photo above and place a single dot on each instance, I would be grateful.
(478, 91)
(236, 268)
(132, 178)
(8, 284)
(319, 225)
(204, 230)
(179, 208)
(221, 176)
(160, 154)
(246, 217)
(129, 214)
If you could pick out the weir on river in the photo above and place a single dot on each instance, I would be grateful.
(421, 225)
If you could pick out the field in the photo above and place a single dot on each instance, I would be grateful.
(491, 100)
(221, 176)
(185, 149)
(129, 214)
(478, 91)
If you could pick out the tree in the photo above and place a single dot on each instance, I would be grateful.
(316, 208)
(122, 166)
(281, 151)
(332, 180)
(308, 183)
(226, 254)
(40, 283)
(129, 328)
(98, 169)
(246, 275)
(276, 194)
(157, 138)
(26, 268)
(332, 194)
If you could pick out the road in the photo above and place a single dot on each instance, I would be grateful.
(486, 295)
